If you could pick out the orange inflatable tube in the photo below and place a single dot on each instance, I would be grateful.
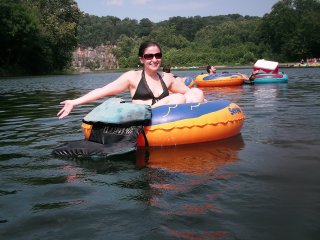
(220, 80)
(192, 123)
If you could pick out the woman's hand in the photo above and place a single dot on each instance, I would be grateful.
(67, 108)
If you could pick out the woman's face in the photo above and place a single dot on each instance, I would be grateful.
(151, 58)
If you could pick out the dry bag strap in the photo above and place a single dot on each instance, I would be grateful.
(145, 138)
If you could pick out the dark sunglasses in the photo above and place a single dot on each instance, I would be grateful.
(150, 56)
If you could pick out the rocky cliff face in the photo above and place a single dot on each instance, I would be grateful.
(99, 58)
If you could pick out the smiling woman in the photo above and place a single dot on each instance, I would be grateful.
(146, 86)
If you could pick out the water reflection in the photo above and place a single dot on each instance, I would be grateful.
(181, 169)
(180, 172)
(188, 234)
(266, 95)
(232, 93)
(194, 159)
(176, 168)
(46, 206)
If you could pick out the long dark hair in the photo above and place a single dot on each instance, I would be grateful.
(145, 45)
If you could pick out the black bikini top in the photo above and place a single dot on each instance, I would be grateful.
(143, 91)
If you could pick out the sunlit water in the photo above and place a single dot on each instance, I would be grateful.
(262, 184)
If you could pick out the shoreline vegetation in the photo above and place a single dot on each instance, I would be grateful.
(218, 67)
(55, 37)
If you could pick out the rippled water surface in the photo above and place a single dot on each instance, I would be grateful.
(262, 184)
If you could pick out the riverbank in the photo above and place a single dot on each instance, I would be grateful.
(4, 74)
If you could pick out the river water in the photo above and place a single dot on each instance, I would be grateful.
(262, 184)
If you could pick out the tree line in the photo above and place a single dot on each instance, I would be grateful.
(38, 36)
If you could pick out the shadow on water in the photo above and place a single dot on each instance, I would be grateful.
(104, 165)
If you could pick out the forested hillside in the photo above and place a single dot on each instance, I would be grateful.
(39, 36)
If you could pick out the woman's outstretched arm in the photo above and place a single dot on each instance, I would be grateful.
(115, 87)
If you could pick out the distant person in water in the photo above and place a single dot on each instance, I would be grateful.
(167, 69)
(146, 86)
(211, 69)
(254, 74)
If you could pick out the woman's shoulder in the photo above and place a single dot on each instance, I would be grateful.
(131, 74)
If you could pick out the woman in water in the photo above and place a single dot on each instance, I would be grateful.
(146, 86)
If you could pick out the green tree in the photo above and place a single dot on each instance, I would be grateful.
(58, 22)
(145, 27)
(128, 27)
(127, 51)
(292, 29)
(37, 36)
(19, 37)
(167, 37)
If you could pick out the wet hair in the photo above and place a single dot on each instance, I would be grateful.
(208, 68)
(145, 45)
(166, 69)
